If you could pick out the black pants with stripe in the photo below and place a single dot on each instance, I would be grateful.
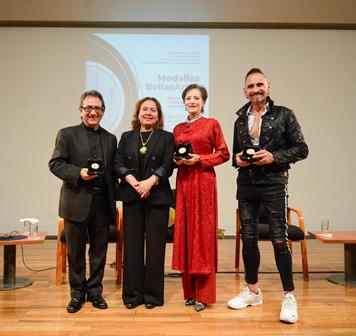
(274, 200)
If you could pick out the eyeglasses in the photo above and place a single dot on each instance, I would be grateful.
(90, 108)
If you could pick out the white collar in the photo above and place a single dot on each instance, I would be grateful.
(249, 110)
(195, 118)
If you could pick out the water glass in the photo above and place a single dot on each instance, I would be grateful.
(33, 232)
(325, 226)
(32, 229)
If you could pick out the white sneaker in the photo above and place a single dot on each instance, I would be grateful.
(245, 298)
(289, 310)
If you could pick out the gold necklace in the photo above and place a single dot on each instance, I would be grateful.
(143, 149)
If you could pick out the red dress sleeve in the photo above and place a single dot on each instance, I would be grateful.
(221, 152)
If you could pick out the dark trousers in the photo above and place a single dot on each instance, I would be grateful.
(274, 200)
(145, 230)
(95, 230)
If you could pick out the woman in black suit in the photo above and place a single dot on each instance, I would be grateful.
(144, 162)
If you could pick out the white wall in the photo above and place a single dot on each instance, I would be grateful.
(311, 71)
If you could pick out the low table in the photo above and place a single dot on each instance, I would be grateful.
(10, 281)
(348, 238)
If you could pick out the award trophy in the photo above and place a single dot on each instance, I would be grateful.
(95, 166)
(182, 151)
(248, 152)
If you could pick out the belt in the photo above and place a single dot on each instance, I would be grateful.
(98, 190)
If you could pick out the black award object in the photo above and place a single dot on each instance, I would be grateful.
(182, 151)
(248, 152)
(95, 167)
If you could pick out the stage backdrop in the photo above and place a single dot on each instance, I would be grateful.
(45, 70)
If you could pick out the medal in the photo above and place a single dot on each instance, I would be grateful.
(143, 150)
(182, 150)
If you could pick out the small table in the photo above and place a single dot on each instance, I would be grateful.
(10, 281)
(348, 238)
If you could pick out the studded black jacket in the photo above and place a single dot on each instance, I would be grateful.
(280, 134)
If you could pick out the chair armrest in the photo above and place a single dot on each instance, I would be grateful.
(300, 216)
(60, 226)
(118, 218)
(238, 224)
(119, 222)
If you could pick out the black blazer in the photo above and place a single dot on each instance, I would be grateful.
(70, 155)
(158, 160)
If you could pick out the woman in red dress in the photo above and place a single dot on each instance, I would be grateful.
(196, 221)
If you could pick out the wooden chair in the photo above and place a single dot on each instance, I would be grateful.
(170, 230)
(296, 233)
(115, 236)
(172, 211)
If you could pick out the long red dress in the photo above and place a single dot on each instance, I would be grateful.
(196, 220)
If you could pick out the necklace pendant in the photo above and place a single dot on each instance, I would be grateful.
(143, 149)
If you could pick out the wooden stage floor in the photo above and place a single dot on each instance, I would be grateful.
(324, 308)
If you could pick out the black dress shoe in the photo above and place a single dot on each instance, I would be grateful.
(198, 306)
(190, 302)
(75, 304)
(150, 305)
(98, 302)
(131, 305)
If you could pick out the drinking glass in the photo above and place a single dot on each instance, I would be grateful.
(33, 232)
(31, 228)
(325, 224)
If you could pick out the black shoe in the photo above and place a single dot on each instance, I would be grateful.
(150, 305)
(198, 306)
(98, 302)
(131, 305)
(190, 302)
(75, 304)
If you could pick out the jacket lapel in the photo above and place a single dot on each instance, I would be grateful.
(135, 144)
(243, 121)
(83, 140)
(105, 146)
(151, 145)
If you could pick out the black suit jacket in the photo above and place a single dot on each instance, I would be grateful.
(158, 160)
(70, 155)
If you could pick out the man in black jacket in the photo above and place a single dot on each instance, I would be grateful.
(267, 139)
(83, 158)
